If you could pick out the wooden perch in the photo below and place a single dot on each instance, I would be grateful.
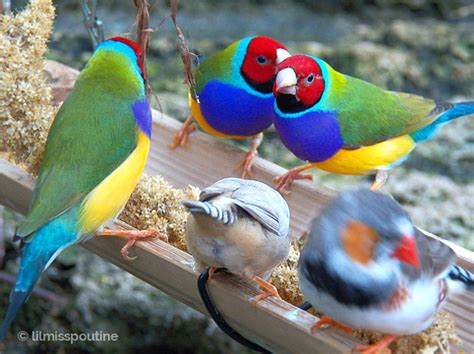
(171, 270)
(274, 324)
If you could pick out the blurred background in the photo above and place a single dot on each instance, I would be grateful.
(419, 46)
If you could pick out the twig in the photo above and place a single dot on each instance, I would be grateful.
(142, 20)
(184, 52)
(2, 232)
(39, 292)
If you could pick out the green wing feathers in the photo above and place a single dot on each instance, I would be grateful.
(216, 67)
(92, 134)
(367, 114)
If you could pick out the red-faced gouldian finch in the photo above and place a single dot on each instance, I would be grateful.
(241, 225)
(95, 153)
(344, 125)
(234, 93)
(365, 266)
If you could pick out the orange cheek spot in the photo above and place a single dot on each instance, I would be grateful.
(359, 241)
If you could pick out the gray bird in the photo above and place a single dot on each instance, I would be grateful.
(367, 267)
(241, 225)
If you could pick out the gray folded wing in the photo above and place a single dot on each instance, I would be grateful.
(262, 202)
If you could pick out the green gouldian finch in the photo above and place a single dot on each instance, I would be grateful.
(234, 93)
(95, 153)
(344, 125)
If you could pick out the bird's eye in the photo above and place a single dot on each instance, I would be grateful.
(310, 78)
(261, 59)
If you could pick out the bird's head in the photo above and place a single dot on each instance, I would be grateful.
(299, 84)
(260, 62)
(124, 45)
(375, 229)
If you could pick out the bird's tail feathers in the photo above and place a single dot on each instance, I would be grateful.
(460, 275)
(33, 263)
(17, 299)
(214, 211)
(457, 110)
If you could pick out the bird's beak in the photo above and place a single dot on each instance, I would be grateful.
(407, 251)
(282, 54)
(286, 81)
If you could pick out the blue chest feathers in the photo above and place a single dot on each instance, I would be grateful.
(234, 111)
(312, 136)
(142, 113)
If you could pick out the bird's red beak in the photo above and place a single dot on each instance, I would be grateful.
(407, 251)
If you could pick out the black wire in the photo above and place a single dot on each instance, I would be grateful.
(305, 306)
(217, 317)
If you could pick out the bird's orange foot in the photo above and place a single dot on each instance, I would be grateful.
(284, 181)
(212, 271)
(377, 348)
(181, 138)
(269, 290)
(134, 236)
(247, 161)
(326, 321)
(246, 164)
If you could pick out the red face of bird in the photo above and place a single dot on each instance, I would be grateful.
(261, 60)
(299, 76)
(136, 48)
(362, 243)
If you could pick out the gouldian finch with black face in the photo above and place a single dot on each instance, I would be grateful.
(344, 125)
(365, 266)
(95, 153)
(241, 225)
(234, 93)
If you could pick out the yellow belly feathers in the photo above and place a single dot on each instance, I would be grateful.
(109, 197)
(368, 159)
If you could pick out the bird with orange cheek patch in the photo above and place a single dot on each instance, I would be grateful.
(344, 125)
(365, 266)
(234, 94)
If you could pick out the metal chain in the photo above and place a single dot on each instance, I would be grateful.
(93, 24)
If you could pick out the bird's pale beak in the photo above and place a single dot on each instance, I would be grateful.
(282, 54)
(407, 251)
(286, 81)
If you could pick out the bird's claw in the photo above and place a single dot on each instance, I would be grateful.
(380, 347)
(269, 290)
(284, 181)
(136, 235)
(325, 322)
(181, 138)
(246, 164)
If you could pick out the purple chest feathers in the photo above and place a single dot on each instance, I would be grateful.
(312, 136)
(234, 111)
(142, 113)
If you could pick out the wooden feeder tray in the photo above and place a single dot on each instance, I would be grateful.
(274, 324)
